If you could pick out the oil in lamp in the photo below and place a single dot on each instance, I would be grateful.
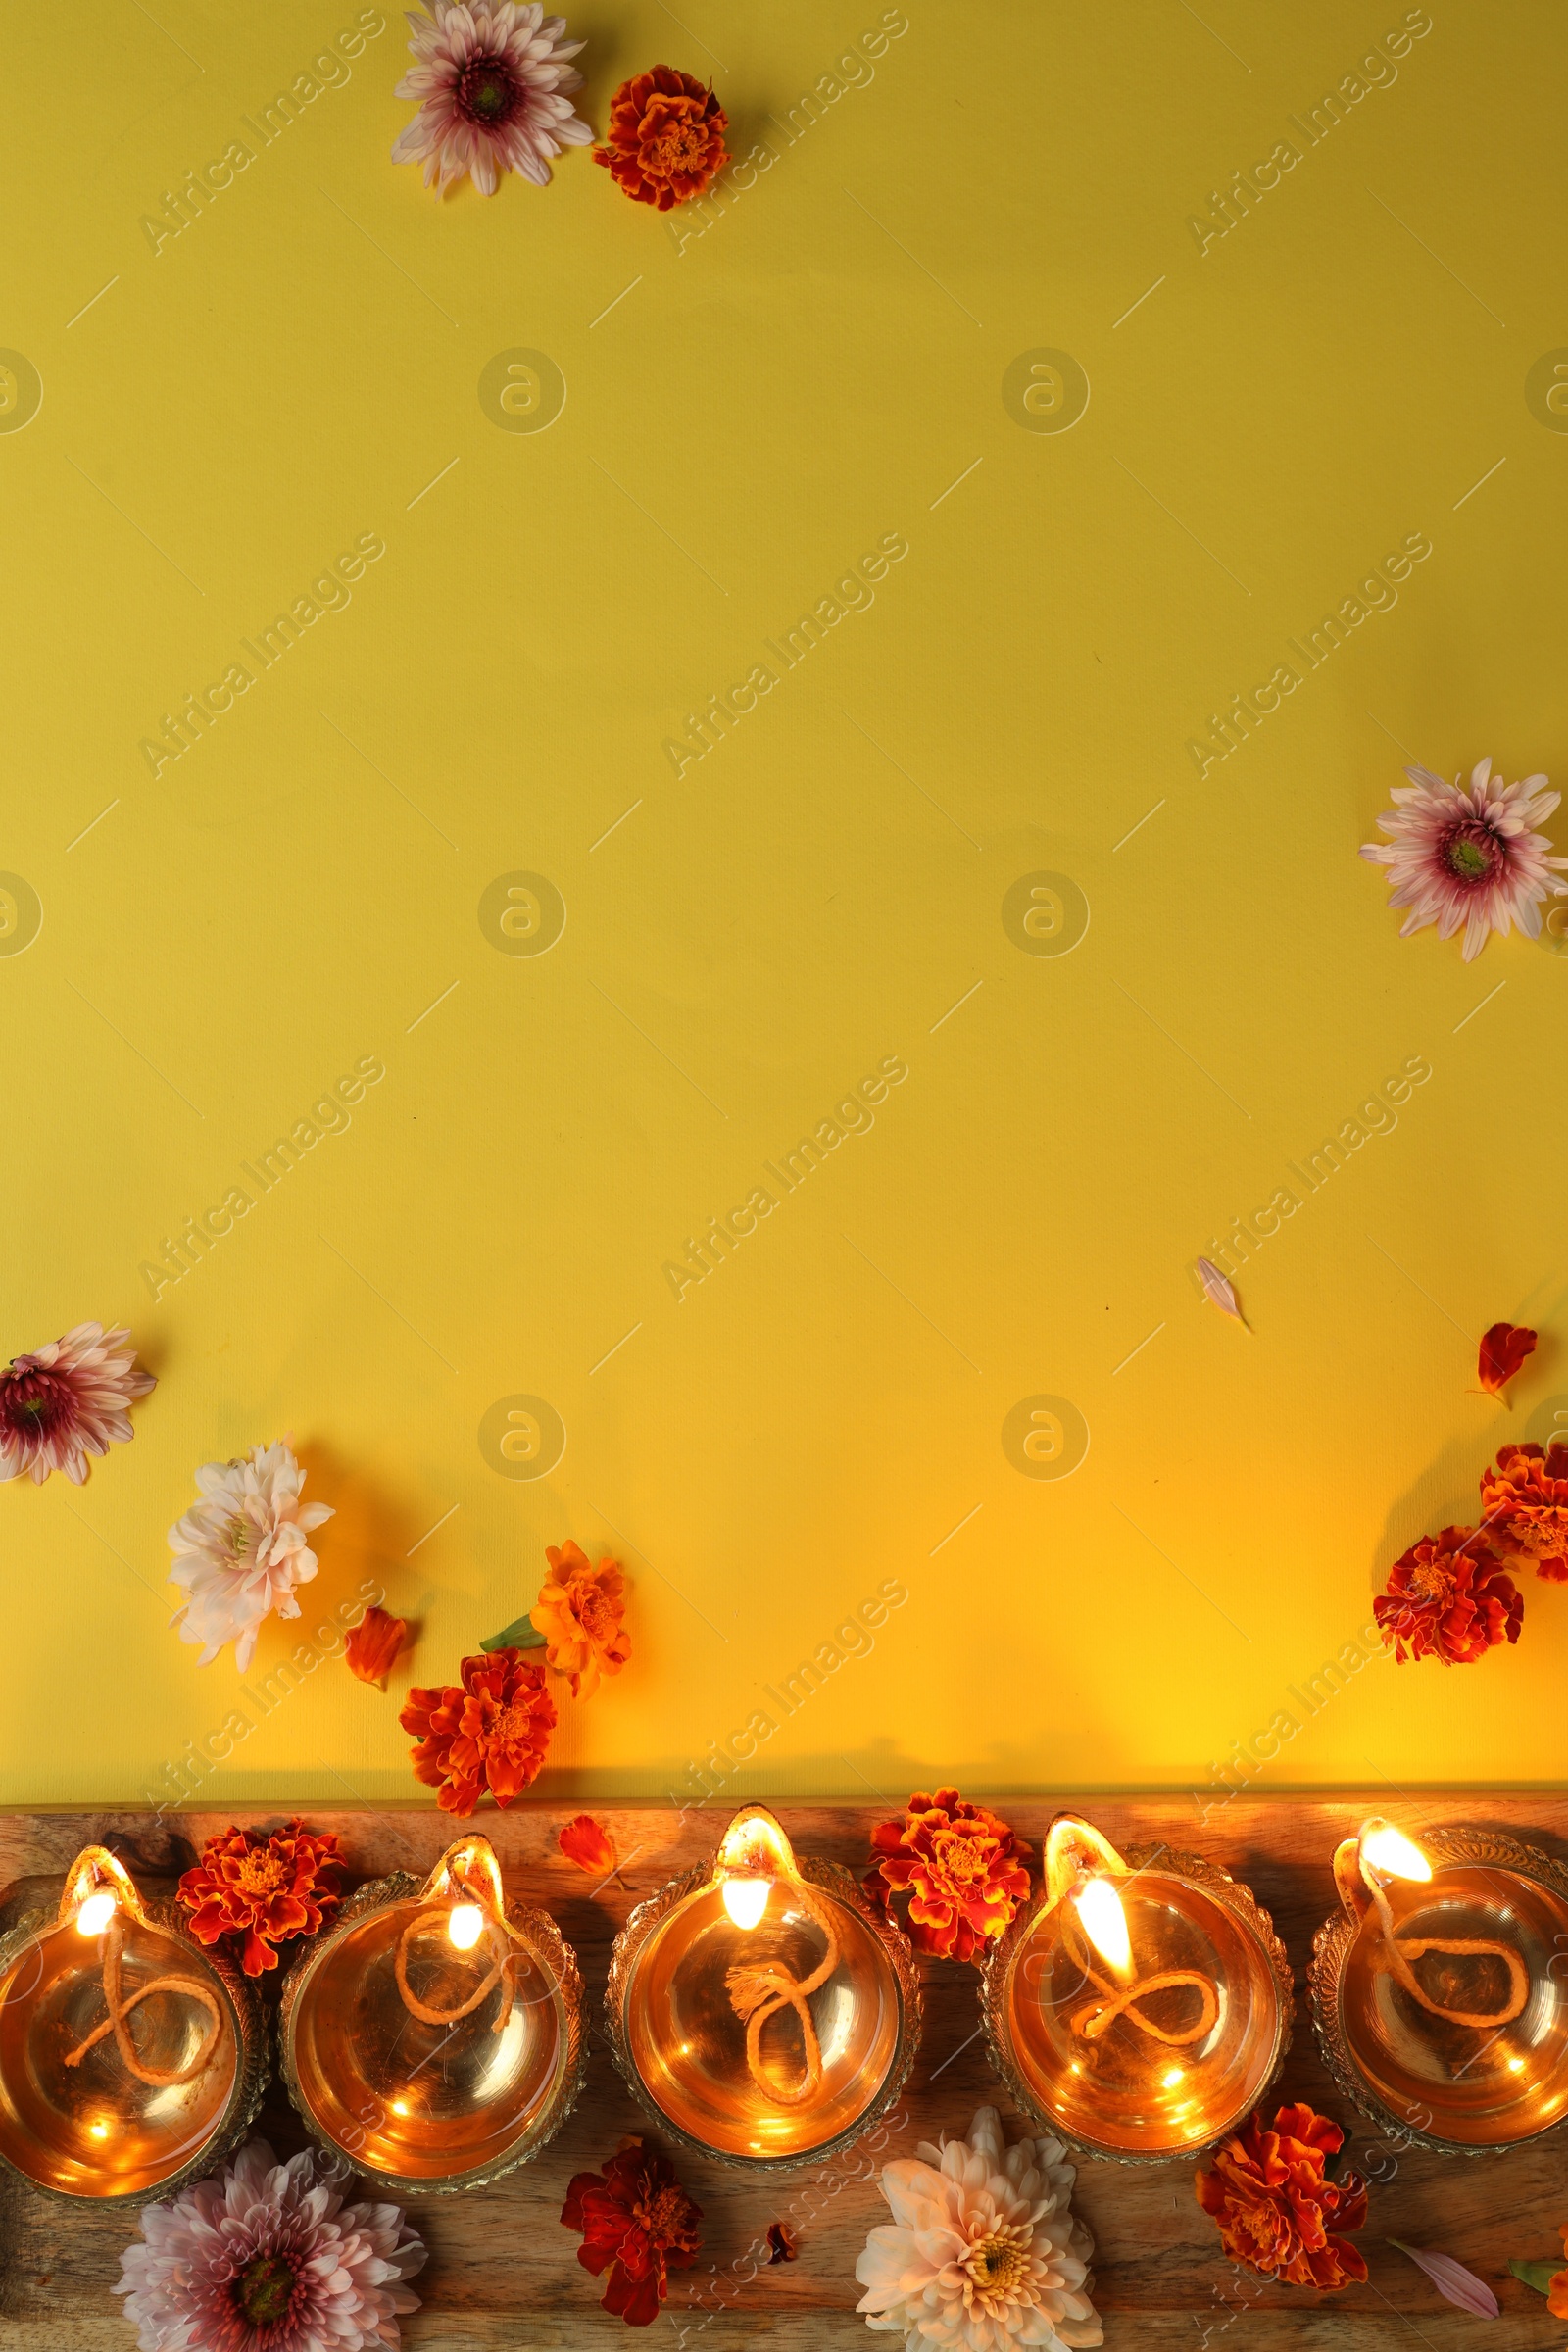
(1432, 1988)
(130, 2059)
(761, 2010)
(433, 2036)
(1142, 2006)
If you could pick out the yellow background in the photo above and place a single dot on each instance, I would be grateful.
(749, 410)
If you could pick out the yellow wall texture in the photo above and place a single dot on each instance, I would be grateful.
(876, 345)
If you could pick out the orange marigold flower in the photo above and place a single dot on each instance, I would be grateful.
(1524, 1499)
(372, 1650)
(1448, 1597)
(588, 1843)
(1277, 2210)
(1557, 2286)
(263, 1888)
(961, 1867)
(579, 1612)
(667, 137)
(638, 2223)
(488, 1732)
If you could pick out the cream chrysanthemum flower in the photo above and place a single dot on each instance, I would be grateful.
(267, 2255)
(984, 2253)
(240, 1552)
(1455, 857)
(493, 86)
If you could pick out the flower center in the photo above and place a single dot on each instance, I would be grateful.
(512, 1723)
(35, 1403)
(264, 2290)
(488, 92)
(259, 1876)
(679, 138)
(1429, 1582)
(963, 1861)
(663, 2214)
(1471, 852)
(999, 2266)
(240, 1537)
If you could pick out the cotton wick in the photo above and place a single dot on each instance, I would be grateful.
(121, 2007)
(1095, 2018)
(764, 1988)
(504, 1945)
(1398, 1956)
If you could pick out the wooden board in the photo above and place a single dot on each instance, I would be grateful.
(503, 2272)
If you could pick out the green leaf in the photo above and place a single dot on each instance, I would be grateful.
(519, 1634)
(1539, 2275)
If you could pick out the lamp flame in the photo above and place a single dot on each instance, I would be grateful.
(752, 1854)
(746, 1899)
(1387, 1849)
(96, 1913)
(464, 1926)
(1100, 1908)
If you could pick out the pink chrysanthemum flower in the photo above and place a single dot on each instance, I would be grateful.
(241, 1550)
(1470, 858)
(68, 1401)
(492, 83)
(265, 2256)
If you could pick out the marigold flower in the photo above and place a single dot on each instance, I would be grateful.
(371, 1648)
(490, 1732)
(1557, 2286)
(66, 1401)
(263, 1888)
(1448, 1597)
(1525, 1501)
(1278, 2211)
(581, 1612)
(961, 1867)
(667, 137)
(639, 2223)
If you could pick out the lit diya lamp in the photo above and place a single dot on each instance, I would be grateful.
(1432, 1987)
(1142, 2006)
(130, 2059)
(433, 2036)
(761, 2008)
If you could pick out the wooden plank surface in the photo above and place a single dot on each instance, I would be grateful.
(503, 2272)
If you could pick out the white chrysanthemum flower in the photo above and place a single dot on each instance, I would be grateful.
(984, 2253)
(240, 1552)
(493, 91)
(265, 2255)
(1470, 858)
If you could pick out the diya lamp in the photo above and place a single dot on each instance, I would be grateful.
(130, 2059)
(433, 2036)
(1434, 1987)
(762, 2009)
(1142, 2006)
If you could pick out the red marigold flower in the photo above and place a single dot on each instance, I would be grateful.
(961, 1867)
(1502, 1350)
(1524, 1499)
(639, 2223)
(667, 137)
(1277, 2210)
(372, 1650)
(1448, 1597)
(263, 1888)
(490, 1731)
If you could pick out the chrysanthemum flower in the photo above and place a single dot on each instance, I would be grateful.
(493, 86)
(266, 2257)
(68, 1401)
(1470, 858)
(638, 2223)
(1278, 2211)
(961, 1867)
(488, 1732)
(1524, 1499)
(258, 1892)
(667, 137)
(240, 1552)
(984, 2253)
(1448, 1597)
(581, 1612)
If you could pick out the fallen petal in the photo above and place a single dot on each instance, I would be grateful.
(1452, 2281)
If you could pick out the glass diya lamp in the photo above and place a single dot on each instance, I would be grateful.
(435, 2035)
(762, 2011)
(131, 2058)
(1142, 2006)
(1434, 1987)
